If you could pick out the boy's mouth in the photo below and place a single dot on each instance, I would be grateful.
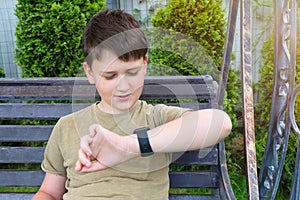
(123, 97)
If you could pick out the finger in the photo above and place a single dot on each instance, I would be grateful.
(95, 166)
(93, 130)
(84, 159)
(90, 140)
(85, 142)
(78, 166)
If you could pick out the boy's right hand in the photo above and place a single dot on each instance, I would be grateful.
(102, 148)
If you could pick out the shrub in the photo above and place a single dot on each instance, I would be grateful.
(190, 39)
(49, 36)
(2, 74)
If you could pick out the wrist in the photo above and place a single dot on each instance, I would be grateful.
(137, 144)
(131, 144)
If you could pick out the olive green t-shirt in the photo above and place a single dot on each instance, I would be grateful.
(139, 178)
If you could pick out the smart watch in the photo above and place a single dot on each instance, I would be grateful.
(143, 139)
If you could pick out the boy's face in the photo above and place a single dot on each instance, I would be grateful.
(119, 83)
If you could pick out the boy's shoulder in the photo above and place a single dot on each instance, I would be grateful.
(78, 113)
(75, 122)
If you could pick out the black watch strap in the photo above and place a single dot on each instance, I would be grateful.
(143, 139)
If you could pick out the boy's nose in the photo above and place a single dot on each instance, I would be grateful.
(123, 84)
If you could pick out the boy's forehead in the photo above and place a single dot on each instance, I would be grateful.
(107, 58)
(113, 63)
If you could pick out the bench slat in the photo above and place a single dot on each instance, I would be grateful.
(32, 178)
(178, 179)
(89, 92)
(42, 92)
(195, 179)
(18, 111)
(207, 156)
(25, 133)
(37, 111)
(54, 81)
(21, 154)
(176, 91)
(35, 155)
(29, 196)
(16, 196)
(192, 197)
(73, 88)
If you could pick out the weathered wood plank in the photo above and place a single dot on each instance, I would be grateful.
(35, 155)
(73, 88)
(195, 179)
(21, 178)
(192, 197)
(32, 178)
(28, 196)
(89, 92)
(21, 154)
(16, 196)
(19, 111)
(208, 156)
(25, 133)
(37, 111)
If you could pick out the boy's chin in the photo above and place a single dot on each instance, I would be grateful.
(121, 109)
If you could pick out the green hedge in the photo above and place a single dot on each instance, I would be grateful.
(49, 35)
(2, 74)
(190, 39)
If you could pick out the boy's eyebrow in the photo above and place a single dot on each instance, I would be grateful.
(107, 72)
(113, 71)
(135, 67)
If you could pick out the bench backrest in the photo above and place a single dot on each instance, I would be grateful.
(23, 101)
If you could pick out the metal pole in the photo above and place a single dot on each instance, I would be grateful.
(230, 31)
(247, 97)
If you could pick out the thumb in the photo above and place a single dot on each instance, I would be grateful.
(94, 129)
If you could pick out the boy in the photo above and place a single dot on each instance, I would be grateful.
(115, 48)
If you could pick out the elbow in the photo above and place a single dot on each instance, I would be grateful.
(227, 126)
(224, 124)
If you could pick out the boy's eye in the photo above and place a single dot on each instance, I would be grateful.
(109, 77)
(132, 73)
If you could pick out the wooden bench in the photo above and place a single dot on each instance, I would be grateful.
(23, 101)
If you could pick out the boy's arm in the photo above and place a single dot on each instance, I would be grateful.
(52, 188)
(194, 130)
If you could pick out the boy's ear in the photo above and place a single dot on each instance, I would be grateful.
(146, 60)
(145, 63)
(89, 73)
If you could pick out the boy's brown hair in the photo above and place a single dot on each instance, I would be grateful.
(116, 31)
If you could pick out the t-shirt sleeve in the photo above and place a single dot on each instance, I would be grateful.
(53, 160)
(163, 113)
